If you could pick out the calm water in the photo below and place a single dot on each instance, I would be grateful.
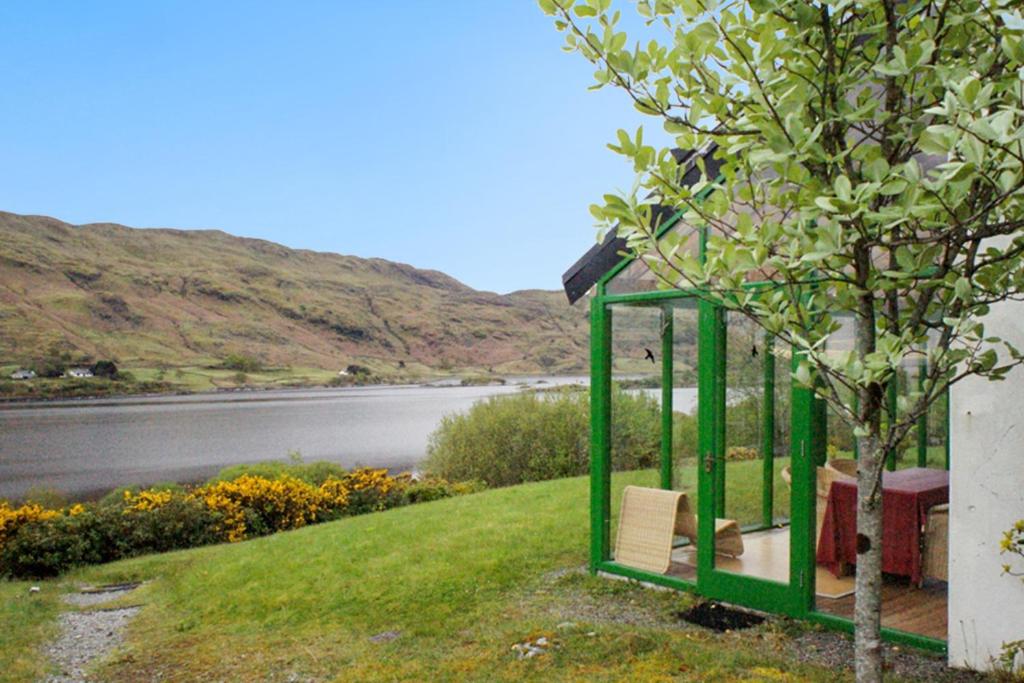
(90, 446)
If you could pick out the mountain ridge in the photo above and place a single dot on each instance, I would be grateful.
(172, 296)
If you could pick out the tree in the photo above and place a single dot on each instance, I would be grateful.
(871, 171)
(106, 368)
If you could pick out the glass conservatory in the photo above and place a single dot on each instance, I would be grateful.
(745, 497)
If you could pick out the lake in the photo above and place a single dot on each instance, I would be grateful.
(85, 447)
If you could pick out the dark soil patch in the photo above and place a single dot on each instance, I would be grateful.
(719, 618)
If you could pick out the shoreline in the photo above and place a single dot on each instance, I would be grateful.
(8, 401)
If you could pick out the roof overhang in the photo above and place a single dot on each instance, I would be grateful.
(611, 251)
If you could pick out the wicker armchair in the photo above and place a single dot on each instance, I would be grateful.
(935, 554)
(834, 470)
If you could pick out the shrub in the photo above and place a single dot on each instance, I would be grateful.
(741, 453)
(370, 490)
(506, 440)
(684, 435)
(46, 548)
(103, 533)
(254, 506)
(168, 522)
(12, 519)
(315, 473)
(105, 368)
(1013, 543)
(242, 363)
(434, 488)
(36, 541)
(120, 494)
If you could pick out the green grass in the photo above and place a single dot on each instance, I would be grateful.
(28, 620)
(204, 378)
(461, 580)
(936, 457)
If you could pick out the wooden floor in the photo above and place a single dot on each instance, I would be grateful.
(904, 606)
(766, 555)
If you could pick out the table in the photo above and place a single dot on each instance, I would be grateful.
(906, 497)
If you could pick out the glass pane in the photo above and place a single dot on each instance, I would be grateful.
(744, 405)
(636, 392)
(755, 489)
(684, 398)
(783, 362)
(916, 604)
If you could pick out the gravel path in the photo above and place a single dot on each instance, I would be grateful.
(835, 650)
(86, 636)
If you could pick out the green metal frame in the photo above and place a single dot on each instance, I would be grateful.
(667, 363)
(795, 598)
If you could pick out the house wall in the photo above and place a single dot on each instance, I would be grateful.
(986, 607)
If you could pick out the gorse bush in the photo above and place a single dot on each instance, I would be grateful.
(529, 437)
(92, 534)
(36, 541)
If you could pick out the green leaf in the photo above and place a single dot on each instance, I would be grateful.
(843, 188)
(826, 204)
(962, 289)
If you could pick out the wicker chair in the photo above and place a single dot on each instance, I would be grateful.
(935, 553)
(844, 466)
(650, 519)
(728, 537)
(834, 470)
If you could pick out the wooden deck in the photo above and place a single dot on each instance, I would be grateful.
(904, 606)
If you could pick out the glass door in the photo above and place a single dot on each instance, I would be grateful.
(751, 546)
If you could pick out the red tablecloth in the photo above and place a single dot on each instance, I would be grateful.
(906, 497)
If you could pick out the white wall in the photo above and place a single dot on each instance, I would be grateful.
(986, 607)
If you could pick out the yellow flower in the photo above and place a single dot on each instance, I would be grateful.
(283, 503)
(12, 519)
(147, 500)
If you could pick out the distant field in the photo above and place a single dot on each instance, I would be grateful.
(199, 378)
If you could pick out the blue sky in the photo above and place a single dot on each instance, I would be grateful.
(451, 135)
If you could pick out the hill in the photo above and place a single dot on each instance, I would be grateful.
(151, 297)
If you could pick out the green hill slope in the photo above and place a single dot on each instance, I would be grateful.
(177, 297)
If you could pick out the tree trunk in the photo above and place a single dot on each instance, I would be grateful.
(867, 613)
(868, 601)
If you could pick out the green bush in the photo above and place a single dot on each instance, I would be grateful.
(507, 440)
(104, 533)
(43, 549)
(315, 473)
(116, 497)
(182, 522)
(684, 436)
(433, 488)
(36, 541)
(242, 363)
(741, 453)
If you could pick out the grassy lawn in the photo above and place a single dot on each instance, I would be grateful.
(28, 620)
(459, 580)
